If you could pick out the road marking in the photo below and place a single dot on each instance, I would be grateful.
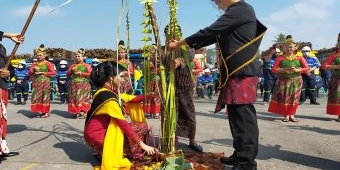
(29, 166)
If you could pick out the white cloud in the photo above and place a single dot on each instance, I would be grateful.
(41, 11)
(307, 20)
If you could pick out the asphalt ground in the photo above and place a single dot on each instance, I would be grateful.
(57, 142)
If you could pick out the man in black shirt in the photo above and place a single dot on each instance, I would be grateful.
(4, 74)
(238, 34)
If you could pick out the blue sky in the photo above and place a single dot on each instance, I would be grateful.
(93, 24)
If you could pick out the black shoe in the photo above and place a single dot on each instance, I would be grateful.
(231, 160)
(18, 103)
(301, 102)
(314, 103)
(23, 103)
(196, 148)
(210, 97)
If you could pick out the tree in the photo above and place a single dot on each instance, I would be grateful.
(280, 38)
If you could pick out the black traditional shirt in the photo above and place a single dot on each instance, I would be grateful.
(235, 28)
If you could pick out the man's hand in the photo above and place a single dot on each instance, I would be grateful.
(4, 73)
(173, 45)
(15, 37)
(175, 63)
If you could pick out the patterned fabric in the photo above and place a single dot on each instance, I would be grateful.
(3, 117)
(286, 95)
(152, 104)
(287, 89)
(333, 102)
(80, 89)
(41, 90)
(238, 90)
(131, 148)
(79, 97)
(41, 86)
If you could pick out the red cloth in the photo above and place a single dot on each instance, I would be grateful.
(303, 64)
(238, 90)
(3, 121)
(329, 61)
(95, 131)
(85, 75)
(50, 68)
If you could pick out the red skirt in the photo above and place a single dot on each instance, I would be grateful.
(79, 97)
(40, 100)
(286, 95)
(333, 102)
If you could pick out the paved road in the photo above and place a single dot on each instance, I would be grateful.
(57, 142)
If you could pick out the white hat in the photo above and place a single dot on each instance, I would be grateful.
(95, 60)
(277, 50)
(306, 48)
(22, 62)
(206, 70)
(63, 62)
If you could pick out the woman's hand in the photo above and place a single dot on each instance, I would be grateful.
(148, 149)
(36, 69)
(39, 73)
(296, 70)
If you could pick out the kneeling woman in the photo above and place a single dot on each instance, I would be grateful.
(105, 126)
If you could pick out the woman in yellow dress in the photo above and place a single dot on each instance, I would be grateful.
(105, 125)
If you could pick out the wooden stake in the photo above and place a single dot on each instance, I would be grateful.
(28, 21)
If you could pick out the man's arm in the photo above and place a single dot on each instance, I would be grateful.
(230, 20)
(15, 37)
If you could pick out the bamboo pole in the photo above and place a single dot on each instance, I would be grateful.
(28, 21)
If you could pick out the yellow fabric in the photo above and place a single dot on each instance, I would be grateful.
(112, 158)
(127, 97)
(136, 109)
(136, 112)
(138, 74)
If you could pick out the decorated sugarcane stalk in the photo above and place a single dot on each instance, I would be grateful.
(170, 111)
(155, 28)
(28, 21)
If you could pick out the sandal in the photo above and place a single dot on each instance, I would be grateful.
(285, 119)
(43, 115)
(293, 120)
(81, 116)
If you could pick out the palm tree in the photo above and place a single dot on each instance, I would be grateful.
(280, 38)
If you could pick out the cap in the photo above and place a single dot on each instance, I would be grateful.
(207, 70)
(277, 50)
(306, 48)
(22, 62)
(63, 62)
(95, 60)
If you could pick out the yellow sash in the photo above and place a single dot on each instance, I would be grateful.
(136, 109)
(112, 158)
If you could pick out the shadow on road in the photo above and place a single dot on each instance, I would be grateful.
(15, 128)
(315, 129)
(78, 152)
(70, 139)
(63, 114)
(27, 113)
(267, 152)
